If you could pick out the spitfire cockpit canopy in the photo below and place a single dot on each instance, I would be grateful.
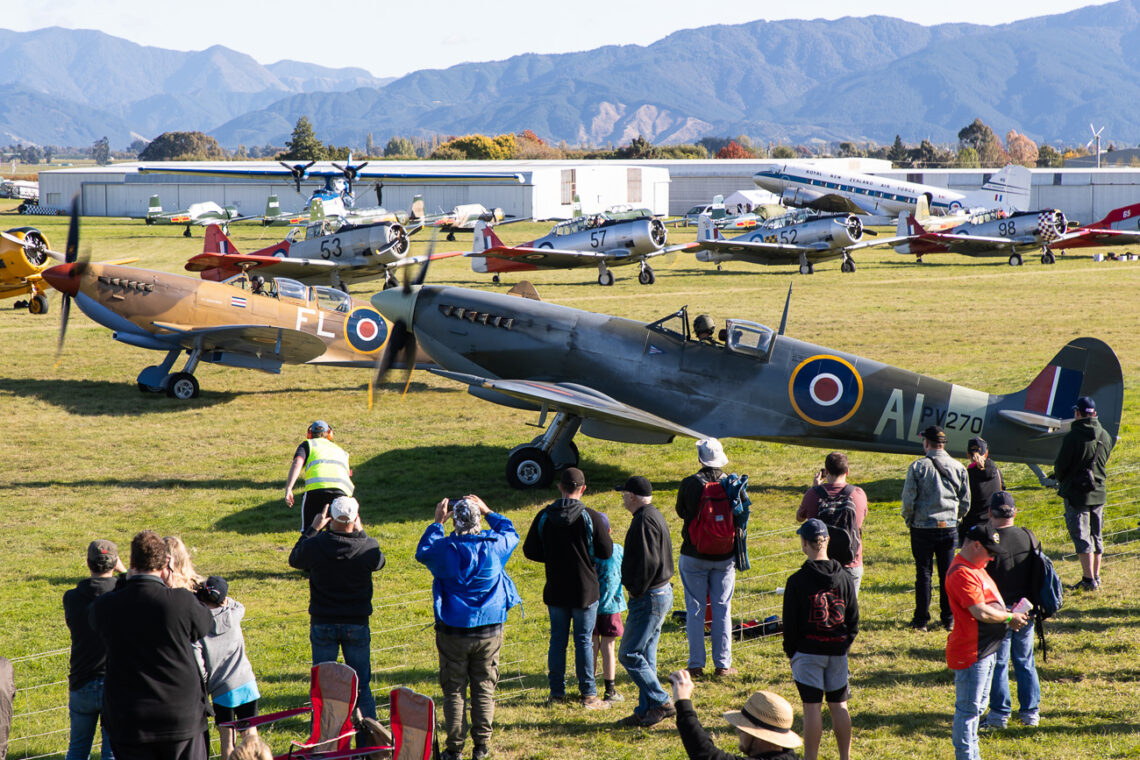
(675, 324)
(749, 338)
(292, 289)
(331, 299)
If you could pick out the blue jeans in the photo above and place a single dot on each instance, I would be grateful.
(1018, 646)
(971, 693)
(83, 707)
(356, 642)
(638, 651)
(583, 619)
(708, 580)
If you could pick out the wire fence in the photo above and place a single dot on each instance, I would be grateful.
(404, 643)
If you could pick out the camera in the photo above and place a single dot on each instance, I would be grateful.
(452, 502)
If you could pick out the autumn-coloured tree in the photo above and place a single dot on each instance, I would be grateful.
(1021, 149)
(981, 138)
(734, 150)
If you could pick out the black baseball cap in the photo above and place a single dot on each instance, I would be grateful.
(637, 485)
(934, 434)
(986, 536)
(1002, 504)
(572, 479)
(977, 444)
(1085, 404)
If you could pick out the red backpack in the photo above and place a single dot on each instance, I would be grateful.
(713, 530)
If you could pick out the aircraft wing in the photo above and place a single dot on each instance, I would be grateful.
(976, 243)
(279, 343)
(1106, 236)
(771, 253)
(839, 204)
(273, 266)
(573, 399)
(408, 261)
(554, 258)
(281, 172)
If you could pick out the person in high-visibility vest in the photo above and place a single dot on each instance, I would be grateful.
(327, 474)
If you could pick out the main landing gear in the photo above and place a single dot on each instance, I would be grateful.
(605, 276)
(532, 465)
(646, 276)
(805, 265)
(1047, 256)
(178, 385)
(1015, 259)
(848, 265)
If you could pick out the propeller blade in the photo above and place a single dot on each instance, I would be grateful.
(71, 256)
(869, 231)
(409, 361)
(396, 342)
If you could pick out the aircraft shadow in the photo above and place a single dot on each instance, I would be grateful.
(84, 397)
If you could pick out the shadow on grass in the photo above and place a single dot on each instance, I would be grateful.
(83, 397)
(213, 484)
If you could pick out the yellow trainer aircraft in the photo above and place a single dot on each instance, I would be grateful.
(24, 254)
(245, 321)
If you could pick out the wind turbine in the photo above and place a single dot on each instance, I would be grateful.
(1096, 139)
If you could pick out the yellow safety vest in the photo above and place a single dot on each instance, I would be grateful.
(327, 467)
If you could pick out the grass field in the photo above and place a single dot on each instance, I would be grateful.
(89, 456)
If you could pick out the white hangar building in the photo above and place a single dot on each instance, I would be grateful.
(543, 189)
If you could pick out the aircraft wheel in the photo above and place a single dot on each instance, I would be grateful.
(495, 279)
(451, 237)
(38, 304)
(1048, 258)
(530, 467)
(646, 276)
(719, 267)
(1015, 260)
(807, 268)
(847, 266)
(186, 232)
(182, 386)
(606, 278)
(144, 388)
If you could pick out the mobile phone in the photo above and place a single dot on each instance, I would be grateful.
(452, 502)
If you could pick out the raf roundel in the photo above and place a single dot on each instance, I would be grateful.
(365, 330)
(825, 390)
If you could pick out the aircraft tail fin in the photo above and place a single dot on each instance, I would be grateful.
(1119, 215)
(153, 207)
(524, 289)
(706, 230)
(922, 208)
(416, 210)
(216, 241)
(1008, 189)
(484, 238)
(316, 210)
(272, 206)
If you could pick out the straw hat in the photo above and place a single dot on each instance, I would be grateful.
(766, 716)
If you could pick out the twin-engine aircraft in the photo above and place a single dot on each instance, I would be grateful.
(198, 214)
(24, 255)
(595, 240)
(792, 238)
(806, 184)
(623, 380)
(239, 323)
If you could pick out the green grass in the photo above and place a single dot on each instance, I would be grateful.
(88, 456)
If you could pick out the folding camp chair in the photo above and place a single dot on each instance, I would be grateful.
(332, 695)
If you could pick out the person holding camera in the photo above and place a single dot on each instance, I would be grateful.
(472, 594)
(831, 493)
(1080, 473)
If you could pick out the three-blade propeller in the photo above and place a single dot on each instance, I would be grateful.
(299, 172)
(402, 341)
(76, 269)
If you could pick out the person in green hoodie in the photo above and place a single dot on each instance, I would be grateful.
(1080, 473)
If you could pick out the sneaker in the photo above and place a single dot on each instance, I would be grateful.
(613, 696)
(921, 627)
(593, 703)
(696, 673)
(1030, 719)
(480, 752)
(725, 672)
(1085, 584)
(991, 722)
(655, 715)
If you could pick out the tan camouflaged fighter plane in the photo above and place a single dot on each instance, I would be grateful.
(242, 322)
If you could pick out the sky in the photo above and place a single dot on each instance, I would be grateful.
(387, 39)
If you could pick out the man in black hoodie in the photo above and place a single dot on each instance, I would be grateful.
(821, 619)
(566, 536)
(340, 562)
(88, 655)
(1080, 473)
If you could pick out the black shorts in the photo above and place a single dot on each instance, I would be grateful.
(314, 502)
(224, 714)
(812, 695)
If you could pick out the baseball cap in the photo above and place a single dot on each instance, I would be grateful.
(812, 529)
(1002, 505)
(711, 453)
(977, 444)
(572, 479)
(985, 536)
(934, 434)
(102, 555)
(214, 589)
(320, 427)
(1085, 404)
(637, 485)
(344, 508)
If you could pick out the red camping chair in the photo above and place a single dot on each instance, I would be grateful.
(332, 695)
(413, 731)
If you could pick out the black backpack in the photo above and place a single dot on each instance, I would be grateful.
(838, 513)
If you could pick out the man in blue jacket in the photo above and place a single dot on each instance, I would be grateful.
(472, 594)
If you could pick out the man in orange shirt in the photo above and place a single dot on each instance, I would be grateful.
(980, 622)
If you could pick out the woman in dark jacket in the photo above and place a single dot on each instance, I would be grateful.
(763, 725)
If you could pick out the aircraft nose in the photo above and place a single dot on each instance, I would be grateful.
(64, 278)
(396, 305)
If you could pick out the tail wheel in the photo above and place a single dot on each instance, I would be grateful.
(38, 304)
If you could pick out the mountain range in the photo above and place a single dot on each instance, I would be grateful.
(781, 81)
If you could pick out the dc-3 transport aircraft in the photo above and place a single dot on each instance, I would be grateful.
(623, 380)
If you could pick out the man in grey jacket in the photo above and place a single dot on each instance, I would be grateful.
(936, 495)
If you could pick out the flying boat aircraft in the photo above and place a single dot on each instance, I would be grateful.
(246, 321)
(595, 240)
(623, 380)
(801, 183)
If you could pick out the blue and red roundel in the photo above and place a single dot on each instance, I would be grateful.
(825, 390)
(365, 330)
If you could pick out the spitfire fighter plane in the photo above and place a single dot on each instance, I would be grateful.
(796, 237)
(989, 233)
(198, 214)
(245, 321)
(24, 255)
(623, 380)
(595, 240)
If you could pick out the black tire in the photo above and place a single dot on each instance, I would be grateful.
(529, 467)
(182, 386)
(495, 279)
(186, 232)
(606, 278)
(38, 304)
(847, 266)
(807, 268)
(646, 276)
(451, 237)
(1015, 260)
(1048, 258)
